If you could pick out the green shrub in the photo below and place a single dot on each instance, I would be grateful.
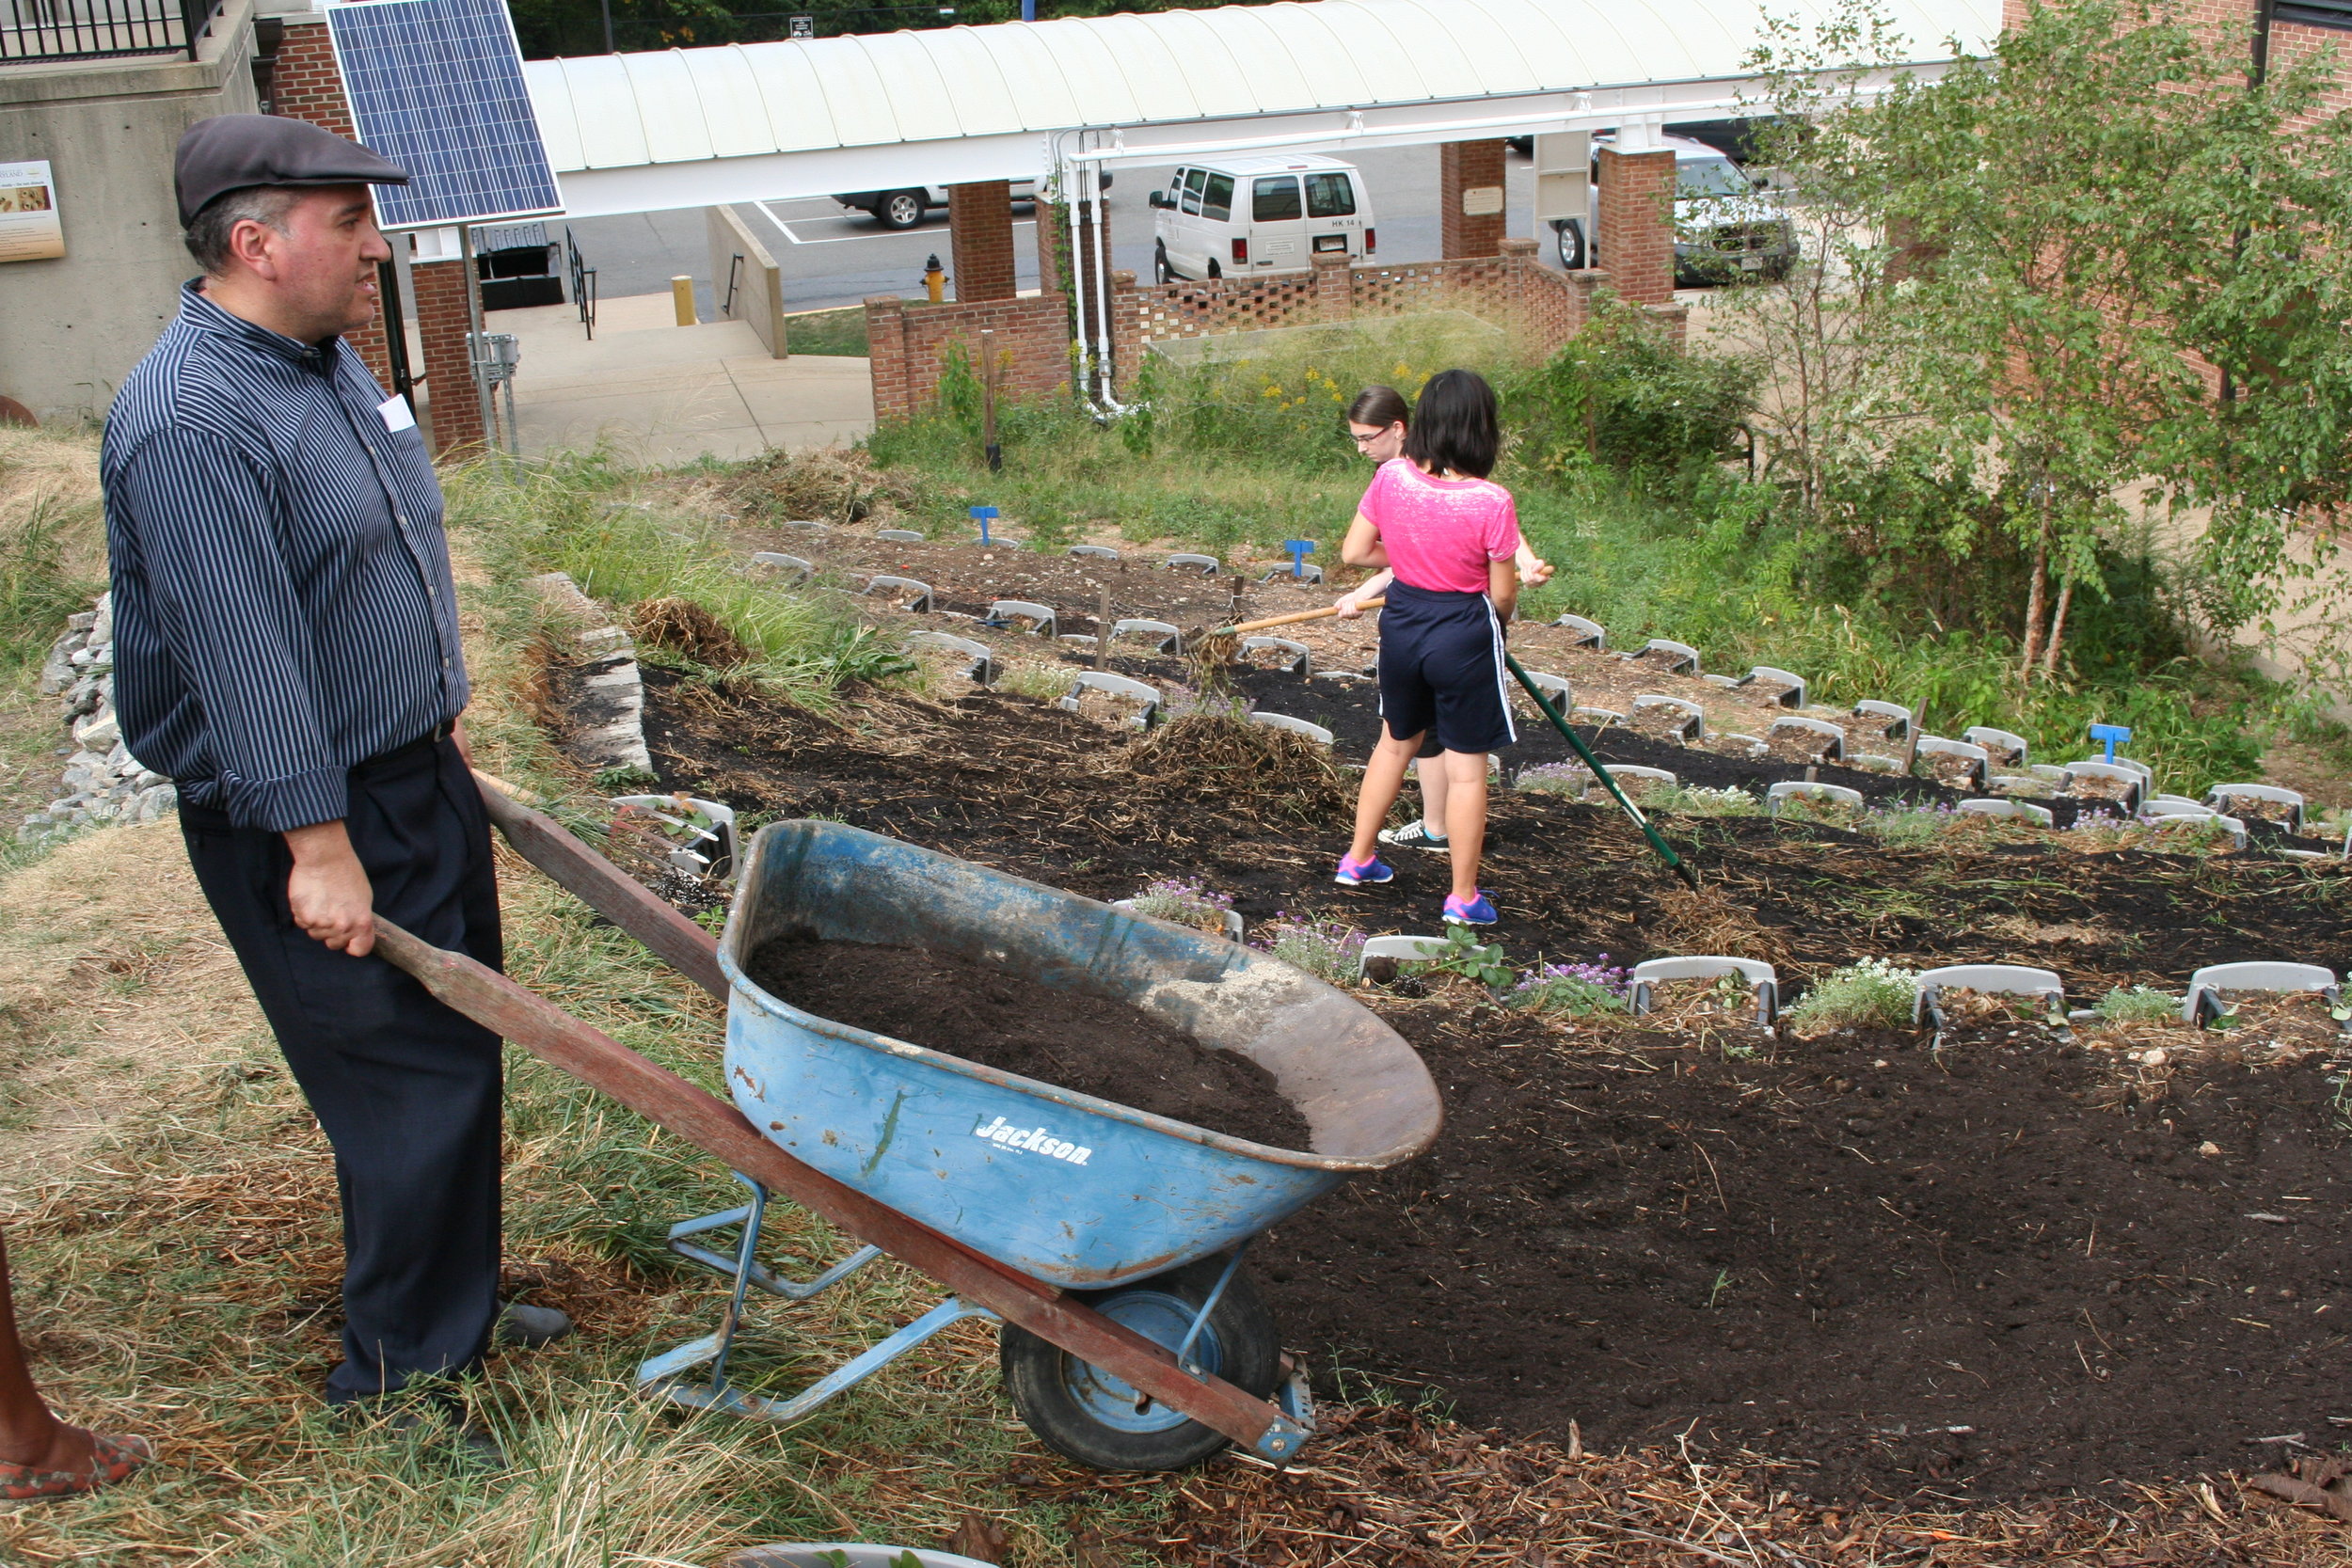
(1623, 395)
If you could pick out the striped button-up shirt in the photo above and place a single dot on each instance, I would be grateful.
(282, 603)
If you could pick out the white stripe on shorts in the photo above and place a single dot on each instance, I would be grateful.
(1502, 674)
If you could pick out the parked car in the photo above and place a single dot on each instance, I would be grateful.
(1723, 228)
(905, 208)
(1258, 215)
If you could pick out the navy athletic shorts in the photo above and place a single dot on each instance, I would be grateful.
(1442, 670)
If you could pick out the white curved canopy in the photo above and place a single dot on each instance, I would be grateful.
(639, 131)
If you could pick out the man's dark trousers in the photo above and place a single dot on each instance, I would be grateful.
(407, 1090)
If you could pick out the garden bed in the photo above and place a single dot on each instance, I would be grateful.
(1643, 1232)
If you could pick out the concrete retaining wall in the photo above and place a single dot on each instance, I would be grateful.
(758, 284)
(72, 328)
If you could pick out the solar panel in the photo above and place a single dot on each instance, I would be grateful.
(436, 87)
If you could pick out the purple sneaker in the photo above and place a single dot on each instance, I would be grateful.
(1357, 872)
(1474, 912)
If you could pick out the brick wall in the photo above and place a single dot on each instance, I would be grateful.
(2229, 26)
(979, 240)
(1637, 236)
(908, 342)
(1470, 173)
(306, 85)
(1539, 307)
(456, 410)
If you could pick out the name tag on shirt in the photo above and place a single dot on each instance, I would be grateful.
(396, 414)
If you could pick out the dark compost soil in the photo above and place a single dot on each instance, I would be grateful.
(1991, 1271)
(1001, 1020)
(1857, 1228)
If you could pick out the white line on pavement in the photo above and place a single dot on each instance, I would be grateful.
(785, 230)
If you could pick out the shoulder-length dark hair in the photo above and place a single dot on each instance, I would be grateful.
(1380, 406)
(1455, 426)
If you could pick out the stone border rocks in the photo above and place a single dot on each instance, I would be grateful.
(612, 732)
(103, 781)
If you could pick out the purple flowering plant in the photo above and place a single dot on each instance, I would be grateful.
(1327, 949)
(1184, 902)
(1574, 988)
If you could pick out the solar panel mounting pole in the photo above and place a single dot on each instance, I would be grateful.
(484, 403)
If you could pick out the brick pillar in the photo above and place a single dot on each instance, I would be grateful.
(980, 237)
(456, 410)
(1126, 329)
(886, 356)
(1335, 286)
(1470, 198)
(307, 87)
(1637, 224)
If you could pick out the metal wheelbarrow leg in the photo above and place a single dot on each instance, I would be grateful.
(664, 1376)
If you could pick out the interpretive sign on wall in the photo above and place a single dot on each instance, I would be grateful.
(29, 227)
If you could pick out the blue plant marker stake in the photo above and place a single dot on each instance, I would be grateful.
(2110, 735)
(982, 515)
(1300, 550)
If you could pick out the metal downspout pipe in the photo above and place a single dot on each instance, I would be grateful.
(1095, 361)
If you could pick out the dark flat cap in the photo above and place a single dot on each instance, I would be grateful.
(230, 152)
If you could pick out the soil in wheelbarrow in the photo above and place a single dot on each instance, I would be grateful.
(1000, 1020)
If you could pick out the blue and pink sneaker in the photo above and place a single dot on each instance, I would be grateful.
(1357, 872)
(1470, 911)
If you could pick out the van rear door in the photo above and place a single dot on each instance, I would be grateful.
(1334, 222)
(1217, 227)
(1278, 224)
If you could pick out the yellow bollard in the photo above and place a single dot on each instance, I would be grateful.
(682, 296)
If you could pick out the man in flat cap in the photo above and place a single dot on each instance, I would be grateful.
(286, 648)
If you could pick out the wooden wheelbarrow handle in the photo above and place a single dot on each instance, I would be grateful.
(716, 1128)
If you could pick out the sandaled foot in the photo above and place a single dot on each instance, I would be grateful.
(112, 1459)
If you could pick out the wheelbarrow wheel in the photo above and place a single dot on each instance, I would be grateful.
(1085, 1413)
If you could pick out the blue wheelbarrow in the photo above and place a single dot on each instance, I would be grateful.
(1107, 1240)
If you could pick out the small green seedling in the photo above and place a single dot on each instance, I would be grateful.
(1466, 956)
(1871, 992)
(2139, 1005)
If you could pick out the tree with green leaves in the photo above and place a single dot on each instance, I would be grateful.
(2093, 276)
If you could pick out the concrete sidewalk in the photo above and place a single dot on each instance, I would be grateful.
(659, 394)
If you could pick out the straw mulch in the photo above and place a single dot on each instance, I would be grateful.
(1392, 1487)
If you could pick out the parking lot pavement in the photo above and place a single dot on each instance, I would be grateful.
(834, 257)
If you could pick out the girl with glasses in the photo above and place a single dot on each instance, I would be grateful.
(1448, 537)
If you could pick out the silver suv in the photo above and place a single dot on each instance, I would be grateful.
(1724, 229)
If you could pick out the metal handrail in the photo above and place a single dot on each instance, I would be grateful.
(101, 29)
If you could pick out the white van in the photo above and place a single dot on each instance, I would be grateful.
(1241, 216)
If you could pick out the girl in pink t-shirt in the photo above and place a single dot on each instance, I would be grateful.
(1449, 534)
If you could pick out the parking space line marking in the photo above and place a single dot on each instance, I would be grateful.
(785, 230)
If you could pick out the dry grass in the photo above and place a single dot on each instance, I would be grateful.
(686, 627)
(118, 994)
(826, 485)
(45, 465)
(1391, 1487)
